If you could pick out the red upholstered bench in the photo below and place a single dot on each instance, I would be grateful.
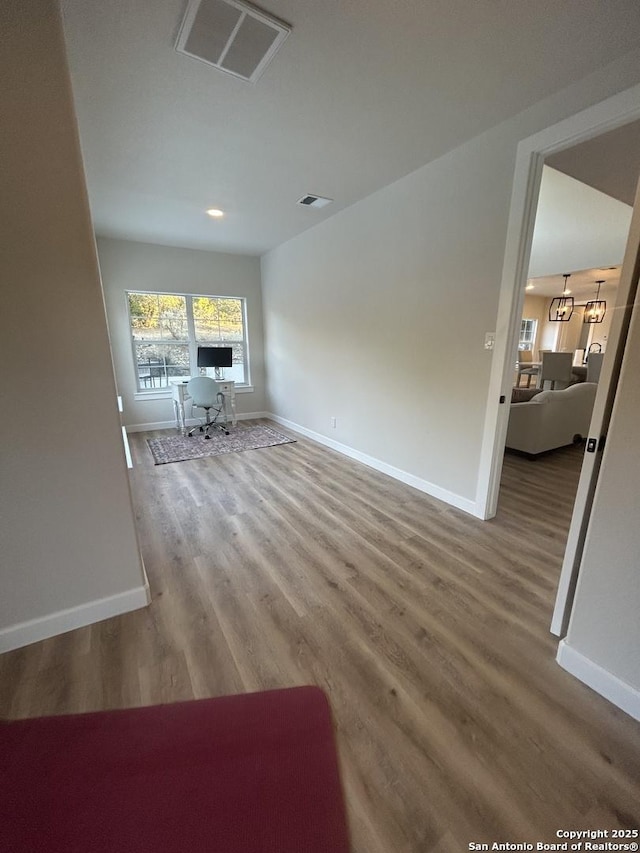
(247, 773)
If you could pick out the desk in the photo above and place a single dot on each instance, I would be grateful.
(179, 396)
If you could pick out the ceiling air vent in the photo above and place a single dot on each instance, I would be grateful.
(233, 36)
(314, 200)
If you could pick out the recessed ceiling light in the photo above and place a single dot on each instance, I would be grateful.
(215, 212)
(530, 286)
(566, 292)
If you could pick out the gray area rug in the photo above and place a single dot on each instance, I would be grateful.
(178, 448)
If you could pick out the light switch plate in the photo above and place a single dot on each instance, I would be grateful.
(489, 340)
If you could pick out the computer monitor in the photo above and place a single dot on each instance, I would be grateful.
(215, 356)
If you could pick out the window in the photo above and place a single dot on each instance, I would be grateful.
(527, 334)
(167, 328)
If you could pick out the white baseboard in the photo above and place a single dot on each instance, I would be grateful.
(621, 694)
(151, 426)
(422, 485)
(147, 427)
(25, 633)
(404, 477)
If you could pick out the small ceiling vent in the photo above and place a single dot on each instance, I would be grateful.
(231, 35)
(314, 200)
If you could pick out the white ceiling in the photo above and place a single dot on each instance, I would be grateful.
(362, 93)
(582, 284)
(577, 228)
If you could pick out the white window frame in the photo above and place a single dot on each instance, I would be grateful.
(525, 340)
(192, 343)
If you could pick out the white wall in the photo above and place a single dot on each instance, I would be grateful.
(142, 266)
(577, 227)
(569, 333)
(377, 316)
(68, 536)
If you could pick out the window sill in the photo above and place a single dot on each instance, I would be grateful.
(164, 394)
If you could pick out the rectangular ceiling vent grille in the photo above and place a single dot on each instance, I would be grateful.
(314, 200)
(231, 35)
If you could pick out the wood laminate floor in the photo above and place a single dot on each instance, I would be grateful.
(428, 630)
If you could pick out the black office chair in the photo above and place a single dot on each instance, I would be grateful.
(205, 395)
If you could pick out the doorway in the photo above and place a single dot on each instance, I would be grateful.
(610, 115)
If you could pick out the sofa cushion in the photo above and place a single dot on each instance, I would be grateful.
(545, 396)
(523, 395)
(579, 391)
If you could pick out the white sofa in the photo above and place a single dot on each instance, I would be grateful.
(551, 419)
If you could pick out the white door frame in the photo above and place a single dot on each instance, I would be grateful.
(614, 112)
(625, 299)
